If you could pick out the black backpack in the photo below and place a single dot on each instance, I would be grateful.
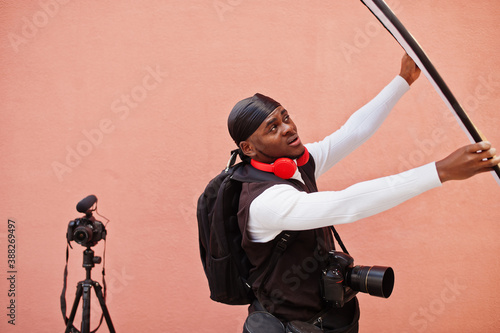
(224, 261)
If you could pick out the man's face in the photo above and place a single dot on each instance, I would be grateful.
(276, 137)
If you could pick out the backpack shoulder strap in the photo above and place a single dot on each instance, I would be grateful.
(283, 239)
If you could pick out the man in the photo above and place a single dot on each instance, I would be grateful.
(266, 137)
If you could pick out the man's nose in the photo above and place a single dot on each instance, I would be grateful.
(287, 128)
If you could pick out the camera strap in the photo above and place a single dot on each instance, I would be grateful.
(337, 237)
(63, 293)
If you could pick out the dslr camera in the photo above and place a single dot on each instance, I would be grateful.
(341, 280)
(86, 231)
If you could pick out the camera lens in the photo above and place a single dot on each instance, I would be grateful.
(374, 280)
(82, 234)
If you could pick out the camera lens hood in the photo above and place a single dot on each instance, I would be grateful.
(374, 280)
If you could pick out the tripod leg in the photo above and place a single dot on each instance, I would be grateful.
(69, 324)
(98, 291)
(86, 307)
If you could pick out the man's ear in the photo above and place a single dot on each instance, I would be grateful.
(247, 149)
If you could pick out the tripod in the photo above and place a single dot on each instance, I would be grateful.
(83, 291)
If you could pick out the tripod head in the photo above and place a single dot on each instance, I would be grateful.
(89, 260)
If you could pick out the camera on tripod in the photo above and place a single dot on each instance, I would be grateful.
(341, 280)
(87, 232)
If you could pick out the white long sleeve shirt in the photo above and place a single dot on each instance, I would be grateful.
(282, 207)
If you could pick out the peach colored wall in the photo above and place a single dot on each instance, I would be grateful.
(128, 100)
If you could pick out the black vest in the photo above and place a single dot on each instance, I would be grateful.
(292, 291)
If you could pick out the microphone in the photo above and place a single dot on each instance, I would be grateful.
(86, 203)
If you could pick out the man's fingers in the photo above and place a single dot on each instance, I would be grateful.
(492, 161)
(484, 154)
(479, 146)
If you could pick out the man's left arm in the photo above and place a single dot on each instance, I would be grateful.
(364, 122)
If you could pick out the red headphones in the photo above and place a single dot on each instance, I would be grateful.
(283, 167)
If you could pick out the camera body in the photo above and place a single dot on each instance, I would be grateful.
(86, 231)
(341, 280)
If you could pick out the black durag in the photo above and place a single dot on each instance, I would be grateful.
(247, 115)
